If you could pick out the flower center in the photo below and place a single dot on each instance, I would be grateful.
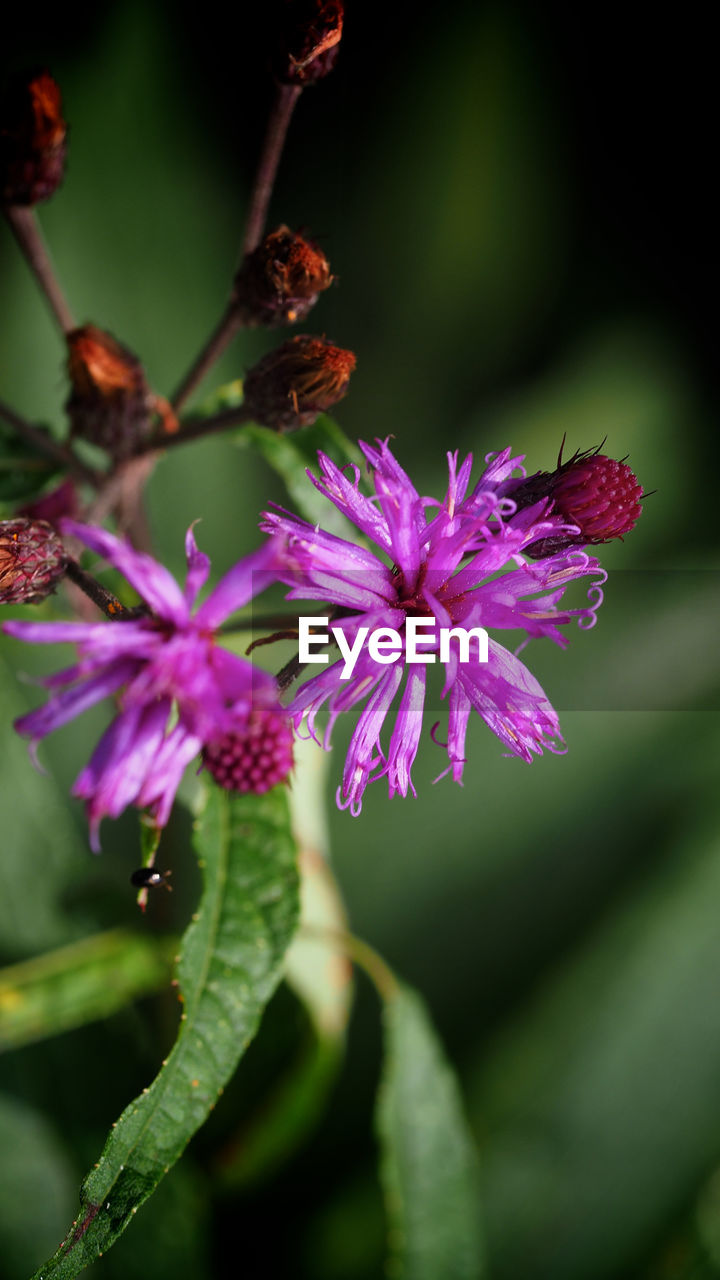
(255, 759)
(413, 601)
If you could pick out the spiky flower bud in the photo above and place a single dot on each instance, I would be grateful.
(32, 560)
(256, 760)
(308, 46)
(279, 282)
(599, 495)
(290, 386)
(32, 141)
(111, 403)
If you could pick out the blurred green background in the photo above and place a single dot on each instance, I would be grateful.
(513, 206)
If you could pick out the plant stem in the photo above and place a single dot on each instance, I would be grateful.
(361, 953)
(230, 321)
(194, 429)
(219, 339)
(286, 96)
(26, 229)
(104, 599)
(50, 448)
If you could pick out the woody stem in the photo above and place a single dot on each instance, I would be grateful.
(223, 333)
(230, 321)
(105, 600)
(286, 97)
(44, 444)
(195, 428)
(26, 229)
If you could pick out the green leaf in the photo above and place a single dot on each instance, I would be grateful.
(291, 455)
(428, 1160)
(321, 978)
(23, 471)
(230, 964)
(79, 983)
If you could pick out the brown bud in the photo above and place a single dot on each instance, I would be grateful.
(309, 40)
(32, 141)
(279, 282)
(299, 380)
(111, 403)
(32, 560)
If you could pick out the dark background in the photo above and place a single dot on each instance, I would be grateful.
(517, 207)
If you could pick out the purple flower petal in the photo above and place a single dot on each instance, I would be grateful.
(151, 580)
(65, 706)
(460, 562)
(406, 732)
(365, 759)
(240, 584)
(92, 634)
(198, 564)
(347, 497)
(167, 665)
(166, 770)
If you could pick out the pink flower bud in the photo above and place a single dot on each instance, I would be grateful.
(32, 560)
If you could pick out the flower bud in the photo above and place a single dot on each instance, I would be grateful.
(111, 403)
(597, 494)
(32, 560)
(309, 40)
(279, 282)
(32, 141)
(255, 760)
(299, 380)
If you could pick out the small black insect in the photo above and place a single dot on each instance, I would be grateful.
(150, 878)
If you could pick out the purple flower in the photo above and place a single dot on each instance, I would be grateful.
(432, 560)
(177, 689)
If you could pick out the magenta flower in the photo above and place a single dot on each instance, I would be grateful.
(432, 560)
(178, 691)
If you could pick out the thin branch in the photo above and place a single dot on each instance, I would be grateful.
(117, 489)
(26, 229)
(104, 599)
(219, 339)
(286, 97)
(230, 321)
(50, 448)
(195, 429)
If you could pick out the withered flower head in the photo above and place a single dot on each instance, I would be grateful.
(290, 386)
(32, 141)
(599, 495)
(111, 403)
(32, 560)
(279, 282)
(309, 39)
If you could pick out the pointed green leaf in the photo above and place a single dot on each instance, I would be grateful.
(427, 1155)
(231, 961)
(321, 978)
(73, 985)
